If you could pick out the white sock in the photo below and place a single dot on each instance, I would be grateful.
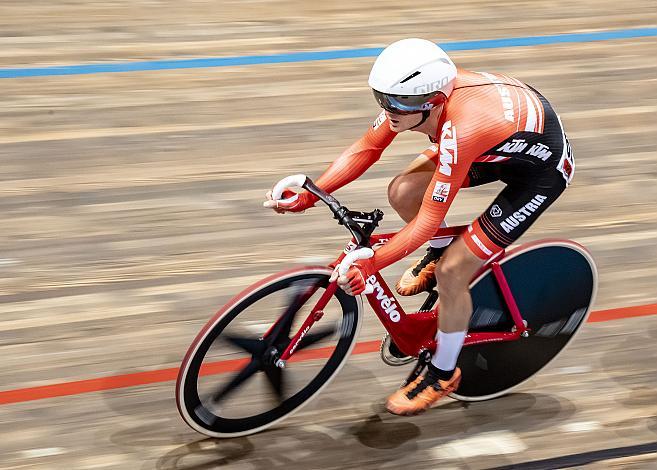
(448, 349)
(440, 242)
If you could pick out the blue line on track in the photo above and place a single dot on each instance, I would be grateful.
(175, 64)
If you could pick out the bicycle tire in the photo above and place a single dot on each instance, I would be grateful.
(554, 283)
(189, 403)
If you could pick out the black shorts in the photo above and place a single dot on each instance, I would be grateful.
(530, 189)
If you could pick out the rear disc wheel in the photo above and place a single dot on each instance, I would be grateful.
(554, 284)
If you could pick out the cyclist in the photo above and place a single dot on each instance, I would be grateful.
(482, 127)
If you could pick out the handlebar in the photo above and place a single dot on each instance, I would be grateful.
(351, 257)
(293, 181)
(343, 215)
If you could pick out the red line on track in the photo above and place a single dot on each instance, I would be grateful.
(623, 312)
(165, 375)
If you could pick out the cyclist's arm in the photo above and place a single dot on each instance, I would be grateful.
(359, 157)
(347, 167)
(452, 166)
(356, 159)
(438, 197)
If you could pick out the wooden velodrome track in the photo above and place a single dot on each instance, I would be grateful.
(131, 210)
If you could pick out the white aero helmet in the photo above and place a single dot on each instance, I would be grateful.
(412, 76)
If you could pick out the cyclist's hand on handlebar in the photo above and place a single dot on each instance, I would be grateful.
(290, 202)
(353, 283)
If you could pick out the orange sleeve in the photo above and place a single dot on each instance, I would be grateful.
(466, 131)
(452, 165)
(359, 157)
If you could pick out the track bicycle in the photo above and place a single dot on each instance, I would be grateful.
(273, 347)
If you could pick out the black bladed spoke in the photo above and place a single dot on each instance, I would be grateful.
(275, 379)
(315, 336)
(253, 346)
(237, 380)
(300, 294)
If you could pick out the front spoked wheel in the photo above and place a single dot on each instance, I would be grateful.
(229, 383)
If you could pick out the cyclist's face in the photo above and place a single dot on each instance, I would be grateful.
(403, 122)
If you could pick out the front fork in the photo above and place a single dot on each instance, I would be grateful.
(318, 310)
(315, 315)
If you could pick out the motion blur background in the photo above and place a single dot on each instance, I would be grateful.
(131, 209)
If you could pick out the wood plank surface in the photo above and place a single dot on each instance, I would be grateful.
(130, 207)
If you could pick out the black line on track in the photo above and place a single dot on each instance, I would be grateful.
(573, 460)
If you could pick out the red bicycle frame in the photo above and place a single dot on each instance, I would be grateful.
(414, 332)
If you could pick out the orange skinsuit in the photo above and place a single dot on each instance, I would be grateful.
(483, 111)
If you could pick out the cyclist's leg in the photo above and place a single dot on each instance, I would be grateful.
(483, 173)
(405, 194)
(406, 190)
(512, 212)
(454, 272)
(456, 268)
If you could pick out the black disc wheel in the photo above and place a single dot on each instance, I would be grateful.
(231, 383)
(554, 284)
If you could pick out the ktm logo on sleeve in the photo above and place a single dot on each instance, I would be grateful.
(448, 148)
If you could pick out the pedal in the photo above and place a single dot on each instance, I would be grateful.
(422, 361)
(430, 301)
(391, 355)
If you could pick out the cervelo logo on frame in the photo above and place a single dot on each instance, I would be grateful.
(385, 302)
(303, 333)
(448, 148)
(521, 214)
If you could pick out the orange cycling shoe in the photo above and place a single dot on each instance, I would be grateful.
(421, 277)
(419, 395)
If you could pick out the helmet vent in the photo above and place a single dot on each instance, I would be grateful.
(414, 74)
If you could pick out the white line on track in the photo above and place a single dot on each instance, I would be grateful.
(574, 370)
(46, 452)
(491, 443)
(8, 262)
(581, 426)
(332, 433)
